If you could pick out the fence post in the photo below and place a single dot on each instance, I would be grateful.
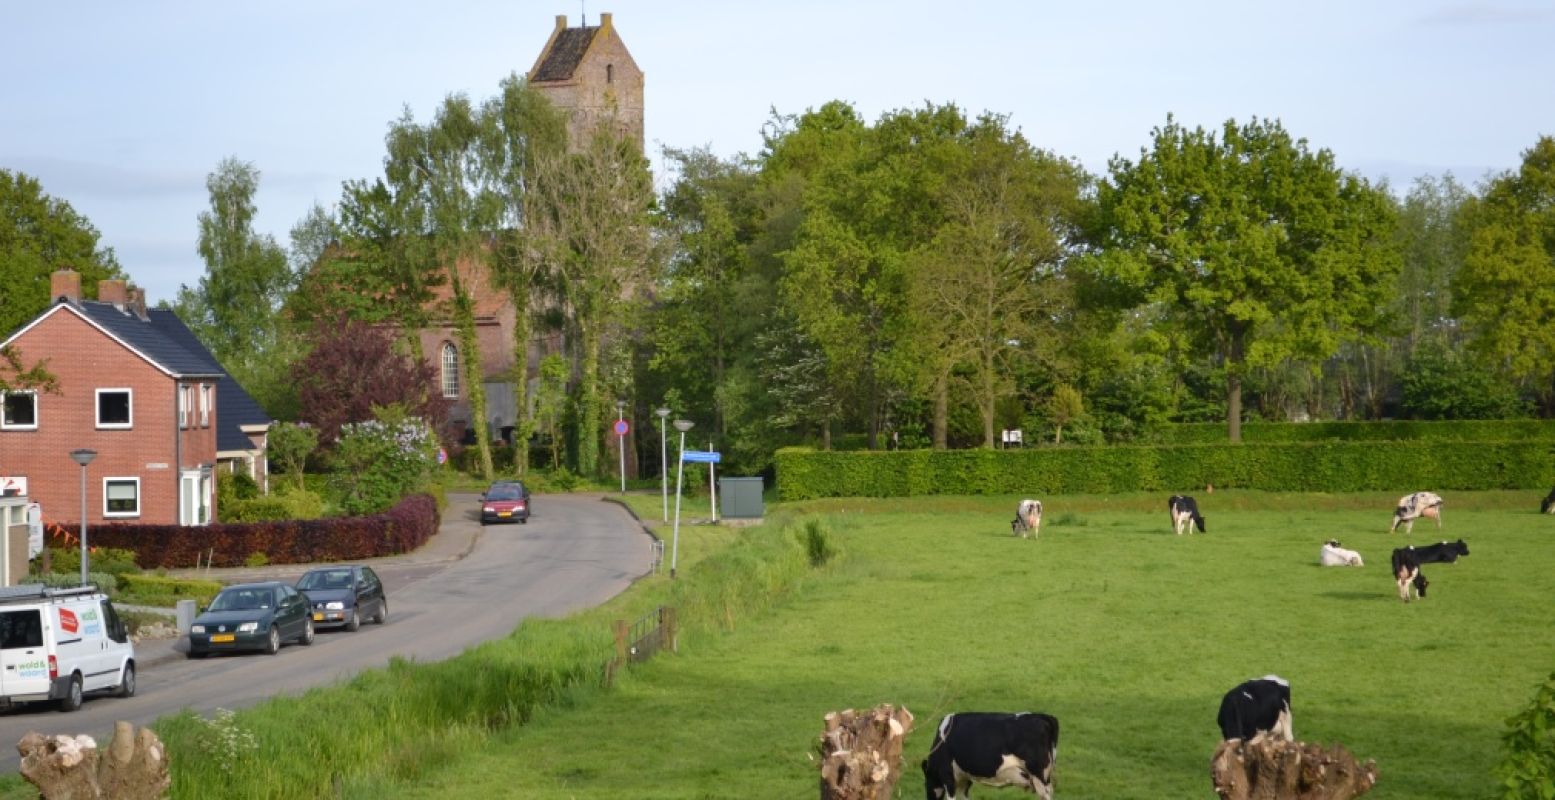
(621, 632)
(667, 620)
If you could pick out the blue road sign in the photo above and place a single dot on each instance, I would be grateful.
(701, 456)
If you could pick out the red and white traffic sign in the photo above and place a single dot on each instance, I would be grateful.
(622, 427)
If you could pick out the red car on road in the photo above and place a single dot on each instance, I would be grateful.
(505, 501)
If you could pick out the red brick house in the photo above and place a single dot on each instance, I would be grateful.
(135, 386)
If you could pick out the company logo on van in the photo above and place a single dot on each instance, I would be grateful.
(93, 627)
(68, 621)
(33, 669)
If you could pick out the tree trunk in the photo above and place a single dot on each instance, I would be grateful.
(1234, 389)
(469, 350)
(941, 411)
(1268, 768)
(987, 403)
(70, 767)
(861, 756)
(589, 428)
(523, 422)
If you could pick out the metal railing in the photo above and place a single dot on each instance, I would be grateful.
(640, 640)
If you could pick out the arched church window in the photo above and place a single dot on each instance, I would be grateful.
(450, 370)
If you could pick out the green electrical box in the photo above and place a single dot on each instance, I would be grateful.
(740, 498)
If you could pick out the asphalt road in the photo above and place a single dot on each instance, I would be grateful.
(575, 552)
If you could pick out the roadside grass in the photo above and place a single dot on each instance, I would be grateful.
(1128, 634)
(397, 725)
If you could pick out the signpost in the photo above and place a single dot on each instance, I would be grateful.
(621, 429)
(708, 457)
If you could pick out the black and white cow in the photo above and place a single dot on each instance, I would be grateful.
(1332, 555)
(1261, 705)
(1184, 510)
(1414, 506)
(994, 749)
(1028, 519)
(1548, 505)
(1407, 561)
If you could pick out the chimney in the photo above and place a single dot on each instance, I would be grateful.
(137, 302)
(112, 291)
(604, 21)
(65, 284)
(561, 22)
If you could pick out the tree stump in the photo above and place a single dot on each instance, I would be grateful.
(70, 767)
(861, 755)
(1271, 768)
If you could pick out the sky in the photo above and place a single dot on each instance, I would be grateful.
(123, 109)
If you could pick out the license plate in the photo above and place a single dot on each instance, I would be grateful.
(318, 617)
(222, 637)
(504, 513)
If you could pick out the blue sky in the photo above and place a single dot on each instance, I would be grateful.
(122, 109)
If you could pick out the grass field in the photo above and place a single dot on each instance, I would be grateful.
(1128, 634)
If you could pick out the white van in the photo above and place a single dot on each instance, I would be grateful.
(58, 644)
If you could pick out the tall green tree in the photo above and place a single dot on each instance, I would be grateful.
(1264, 248)
(38, 235)
(235, 307)
(520, 130)
(1505, 290)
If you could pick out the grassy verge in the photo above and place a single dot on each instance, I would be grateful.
(406, 721)
(1128, 634)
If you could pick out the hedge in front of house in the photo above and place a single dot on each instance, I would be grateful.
(1468, 430)
(401, 529)
(804, 474)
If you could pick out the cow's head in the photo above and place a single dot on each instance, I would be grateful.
(1421, 583)
(1332, 543)
(1461, 546)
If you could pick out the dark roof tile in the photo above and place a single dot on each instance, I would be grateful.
(565, 54)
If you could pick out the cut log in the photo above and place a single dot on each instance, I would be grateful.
(70, 767)
(861, 755)
(1271, 768)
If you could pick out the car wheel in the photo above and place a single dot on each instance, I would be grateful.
(127, 682)
(307, 632)
(355, 621)
(72, 699)
(383, 612)
(273, 643)
(197, 654)
(524, 521)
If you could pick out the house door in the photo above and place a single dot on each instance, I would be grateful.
(194, 505)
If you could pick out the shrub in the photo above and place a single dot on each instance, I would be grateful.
(110, 560)
(381, 460)
(1310, 467)
(164, 592)
(287, 504)
(256, 560)
(290, 444)
(70, 580)
(1500, 430)
(1527, 770)
(817, 542)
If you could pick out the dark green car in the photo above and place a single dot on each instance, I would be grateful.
(251, 616)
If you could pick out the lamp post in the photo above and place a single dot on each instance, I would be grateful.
(681, 425)
(664, 462)
(621, 441)
(83, 457)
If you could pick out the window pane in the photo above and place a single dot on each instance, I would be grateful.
(123, 497)
(113, 408)
(21, 409)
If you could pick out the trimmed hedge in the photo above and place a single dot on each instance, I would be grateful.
(1475, 430)
(157, 590)
(400, 529)
(804, 474)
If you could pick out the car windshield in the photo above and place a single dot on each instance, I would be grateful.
(326, 579)
(505, 492)
(243, 600)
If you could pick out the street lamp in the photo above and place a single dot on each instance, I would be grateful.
(681, 425)
(83, 457)
(664, 462)
(621, 441)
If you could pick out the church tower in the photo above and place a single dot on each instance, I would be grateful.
(588, 73)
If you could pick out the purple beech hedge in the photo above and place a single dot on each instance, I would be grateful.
(401, 529)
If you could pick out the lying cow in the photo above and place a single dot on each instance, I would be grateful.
(1414, 506)
(1184, 510)
(1261, 705)
(993, 749)
(1332, 555)
(1028, 518)
(1407, 561)
(1548, 505)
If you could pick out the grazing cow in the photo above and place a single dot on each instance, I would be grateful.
(1414, 506)
(1407, 561)
(1332, 555)
(1261, 705)
(1184, 510)
(1028, 518)
(1548, 505)
(994, 749)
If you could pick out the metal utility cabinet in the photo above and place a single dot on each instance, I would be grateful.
(741, 498)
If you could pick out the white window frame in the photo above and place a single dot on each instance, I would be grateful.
(450, 374)
(205, 405)
(121, 514)
(97, 409)
(184, 402)
(9, 427)
(194, 502)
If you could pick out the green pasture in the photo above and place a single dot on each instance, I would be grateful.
(1125, 632)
